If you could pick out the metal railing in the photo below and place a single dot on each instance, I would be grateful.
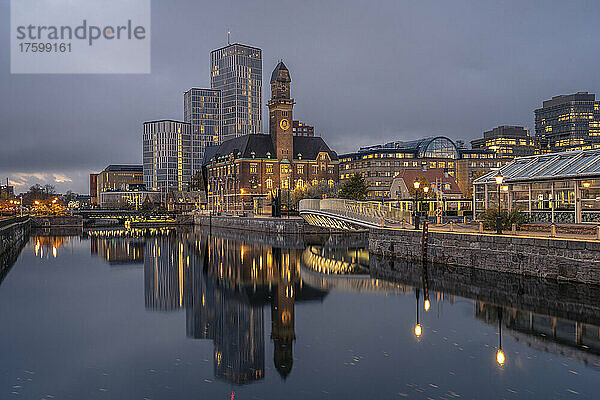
(371, 213)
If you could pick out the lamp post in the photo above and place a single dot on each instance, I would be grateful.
(425, 191)
(499, 180)
(416, 185)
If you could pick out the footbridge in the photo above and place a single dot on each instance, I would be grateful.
(351, 214)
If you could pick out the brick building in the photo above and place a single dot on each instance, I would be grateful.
(256, 165)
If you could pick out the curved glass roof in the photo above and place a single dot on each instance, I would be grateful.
(571, 164)
(438, 147)
(431, 147)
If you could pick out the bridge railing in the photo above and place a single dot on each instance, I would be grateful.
(368, 212)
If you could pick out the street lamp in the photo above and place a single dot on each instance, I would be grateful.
(416, 185)
(499, 180)
(425, 191)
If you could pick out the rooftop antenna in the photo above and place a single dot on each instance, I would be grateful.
(228, 38)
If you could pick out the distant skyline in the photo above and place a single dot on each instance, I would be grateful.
(362, 72)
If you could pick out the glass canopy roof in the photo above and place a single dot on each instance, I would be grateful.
(571, 164)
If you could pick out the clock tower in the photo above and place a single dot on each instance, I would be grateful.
(280, 113)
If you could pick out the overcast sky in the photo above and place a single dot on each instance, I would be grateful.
(362, 72)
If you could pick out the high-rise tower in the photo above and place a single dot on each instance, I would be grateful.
(236, 70)
(280, 113)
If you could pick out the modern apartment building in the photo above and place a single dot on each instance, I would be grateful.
(236, 70)
(568, 122)
(167, 148)
(202, 110)
(506, 141)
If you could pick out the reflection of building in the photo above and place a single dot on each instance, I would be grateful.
(224, 284)
(167, 155)
(379, 164)
(283, 331)
(253, 166)
(202, 110)
(506, 141)
(118, 250)
(236, 71)
(166, 261)
(568, 122)
(557, 188)
(573, 339)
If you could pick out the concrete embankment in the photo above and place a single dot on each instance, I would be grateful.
(13, 236)
(258, 224)
(563, 259)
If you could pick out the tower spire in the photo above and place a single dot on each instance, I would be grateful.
(228, 37)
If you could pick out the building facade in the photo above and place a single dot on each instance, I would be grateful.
(379, 164)
(257, 165)
(236, 70)
(202, 110)
(94, 189)
(553, 188)
(167, 155)
(301, 129)
(568, 122)
(116, 178)
(506, 141)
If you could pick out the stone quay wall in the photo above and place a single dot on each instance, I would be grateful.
(293, 225)
(553, 258)
(54, 221)
(12, 239)
(567, 300)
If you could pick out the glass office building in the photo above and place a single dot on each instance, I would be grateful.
(202, 110)
(167, 155)
(554, 188)
(568, 122)
(236, 70)
(506, 141)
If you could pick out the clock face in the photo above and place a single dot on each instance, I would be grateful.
(284, 124)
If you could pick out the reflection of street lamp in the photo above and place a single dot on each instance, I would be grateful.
(500, 359)
(499, 180)
(427, 305)
(418, 329)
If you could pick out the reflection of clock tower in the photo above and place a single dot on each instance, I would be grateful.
(280, 113)
(282, 315)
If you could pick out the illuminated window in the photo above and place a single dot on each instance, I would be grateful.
(252, 168)
(269, 183)
(269, 168)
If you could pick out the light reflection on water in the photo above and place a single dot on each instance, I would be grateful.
(177, 314)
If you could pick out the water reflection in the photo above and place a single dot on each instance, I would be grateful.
(224, 285)
(225, 281)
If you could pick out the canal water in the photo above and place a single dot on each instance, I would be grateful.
(172, 314)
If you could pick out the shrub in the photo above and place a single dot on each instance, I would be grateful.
(489, 217)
